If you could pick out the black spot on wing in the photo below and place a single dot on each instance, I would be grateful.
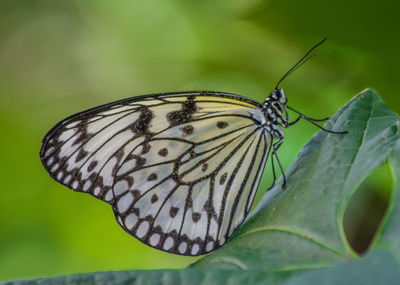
(142, 124)
(139, 161)
(163, 152)
(154, 198)
(188, 129)
(152, 177)
(81, 155)
(222, 179)
(92, 165)
(173, 211)
(178, 117)
(222, 124)
(196, 217)
(146, 147)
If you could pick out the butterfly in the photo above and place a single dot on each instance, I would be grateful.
(180, 170)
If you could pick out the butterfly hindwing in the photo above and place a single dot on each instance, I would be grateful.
(180, 170)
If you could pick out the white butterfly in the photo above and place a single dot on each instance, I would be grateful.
(180, 170)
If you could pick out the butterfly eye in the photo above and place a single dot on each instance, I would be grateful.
(282, 98)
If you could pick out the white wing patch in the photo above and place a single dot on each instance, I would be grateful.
(180, 171)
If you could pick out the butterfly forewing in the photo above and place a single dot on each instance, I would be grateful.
(180, 170)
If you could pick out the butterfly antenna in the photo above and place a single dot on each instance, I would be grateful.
(303, 60)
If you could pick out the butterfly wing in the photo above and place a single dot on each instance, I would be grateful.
(180, 170)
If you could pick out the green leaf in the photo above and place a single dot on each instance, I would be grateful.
(165, 277)
(295, 235)
(378, 267)
(300, 227)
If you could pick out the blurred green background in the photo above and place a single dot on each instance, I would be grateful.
(61, 57)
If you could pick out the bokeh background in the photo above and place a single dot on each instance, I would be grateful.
(61, 57)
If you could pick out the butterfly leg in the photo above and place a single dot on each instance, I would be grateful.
(294, 121)
(315, 120)
(312, 121)
(273, 172)
(301, 116)
(275, 147)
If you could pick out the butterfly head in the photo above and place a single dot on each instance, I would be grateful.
(278, 95)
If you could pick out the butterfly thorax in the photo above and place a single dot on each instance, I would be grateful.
(275, 113)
